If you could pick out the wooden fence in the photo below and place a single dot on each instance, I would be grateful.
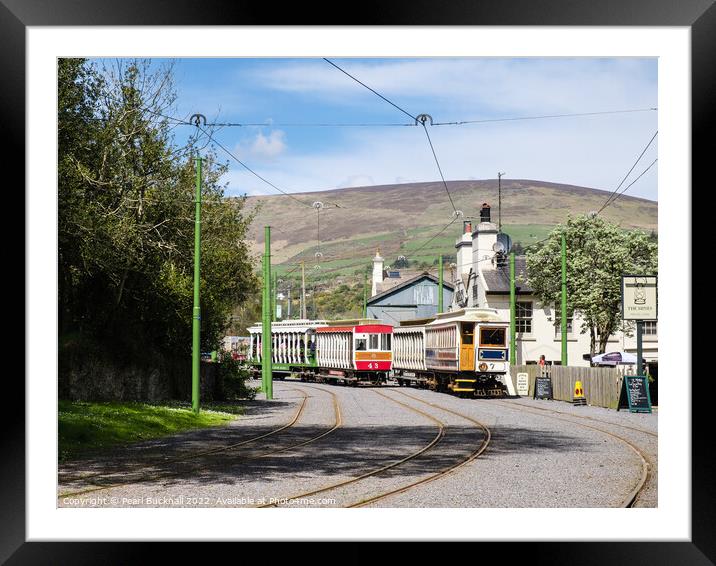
(601, 385)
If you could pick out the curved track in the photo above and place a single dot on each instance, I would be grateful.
(645, 460)
(441, 425)
(144, 477)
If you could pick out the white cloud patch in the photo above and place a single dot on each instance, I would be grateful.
(268, 146)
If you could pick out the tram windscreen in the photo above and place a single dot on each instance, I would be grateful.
(492, 337)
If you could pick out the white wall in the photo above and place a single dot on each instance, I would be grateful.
(543, 339)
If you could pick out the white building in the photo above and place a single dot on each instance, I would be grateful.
(482, 279)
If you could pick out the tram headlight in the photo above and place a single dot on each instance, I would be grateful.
(482, 366)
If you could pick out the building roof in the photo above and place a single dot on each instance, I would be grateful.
(498, 279)
(407, 283)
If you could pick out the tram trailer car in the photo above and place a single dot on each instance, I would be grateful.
(465, 352)
(293, 348)
(345, 351)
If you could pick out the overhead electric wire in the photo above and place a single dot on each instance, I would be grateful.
(430, 142)
(630, 184)
(439, 169)
(612, 196)
(309, 125)
(545, 116)
(370, 89)
(254, 173)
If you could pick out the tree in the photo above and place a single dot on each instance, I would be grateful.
(598, 254)
(126, 217)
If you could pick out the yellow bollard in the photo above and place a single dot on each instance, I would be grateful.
(579, 398)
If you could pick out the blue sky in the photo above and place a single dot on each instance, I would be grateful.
(591, 151)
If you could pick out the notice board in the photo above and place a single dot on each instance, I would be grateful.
(634, 394)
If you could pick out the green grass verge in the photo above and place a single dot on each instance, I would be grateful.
(85, 427)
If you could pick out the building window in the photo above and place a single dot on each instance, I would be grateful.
(424, 295)
(558, 323)
(523, 318)
(474, 292)
(649, 328)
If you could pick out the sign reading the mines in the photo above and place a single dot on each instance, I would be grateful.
(639, 297)
(635, 394)
(543, 388)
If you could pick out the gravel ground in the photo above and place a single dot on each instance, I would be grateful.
(536, 460)
(533, 460)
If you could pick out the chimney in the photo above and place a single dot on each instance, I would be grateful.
(485, 212)
(483, 239)
(377, 273)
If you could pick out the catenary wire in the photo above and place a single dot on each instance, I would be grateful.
(608, 201)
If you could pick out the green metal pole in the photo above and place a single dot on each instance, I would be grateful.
(273, 297)
(639, 352)
(440, 284)
(196, 323)
(266, 366)
(365, 294)
(564, 300)
(513, 326)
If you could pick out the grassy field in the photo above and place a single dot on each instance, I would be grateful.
(85, 427)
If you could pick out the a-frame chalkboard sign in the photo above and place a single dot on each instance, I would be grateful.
(634, 394)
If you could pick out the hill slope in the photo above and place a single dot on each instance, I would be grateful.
(401, 218)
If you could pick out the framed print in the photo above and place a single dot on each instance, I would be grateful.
(679, 41)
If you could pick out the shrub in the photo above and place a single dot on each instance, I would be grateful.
(233, 376)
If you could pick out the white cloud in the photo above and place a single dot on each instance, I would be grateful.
(268, 147)
(477, 85)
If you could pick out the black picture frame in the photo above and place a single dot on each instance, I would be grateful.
(699, 15)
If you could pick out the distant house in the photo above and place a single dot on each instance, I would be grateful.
(395, 299)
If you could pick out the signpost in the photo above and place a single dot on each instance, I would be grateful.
(639, 303)
(543, 387)
(634, 394)
(523, 384)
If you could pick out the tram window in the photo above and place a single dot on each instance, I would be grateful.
(492, 336)
(385, 342)
(467, 330)
(373, 341)
(360, 344)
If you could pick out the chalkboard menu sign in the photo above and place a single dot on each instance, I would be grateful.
(543, 388)
(635, 394)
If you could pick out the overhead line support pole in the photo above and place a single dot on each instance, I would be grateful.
(440, 284)
(196, 318)
(266, 365)
(564, 300)
(513, 325)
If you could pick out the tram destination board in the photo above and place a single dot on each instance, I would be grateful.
(635, 394)
(543, 387)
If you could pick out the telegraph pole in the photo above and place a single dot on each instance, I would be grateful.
(266, 366)
(513, 325)
(440, 284)
(564, 299)
(499, 202)
(196, 322)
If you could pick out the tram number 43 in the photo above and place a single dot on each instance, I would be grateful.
(373, 365)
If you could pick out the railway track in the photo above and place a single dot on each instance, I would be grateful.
(646, 463)
(145, 477)
(441, 426)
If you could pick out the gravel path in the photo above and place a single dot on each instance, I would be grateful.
(535, 458)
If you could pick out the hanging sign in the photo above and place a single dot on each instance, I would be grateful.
(639, 297)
